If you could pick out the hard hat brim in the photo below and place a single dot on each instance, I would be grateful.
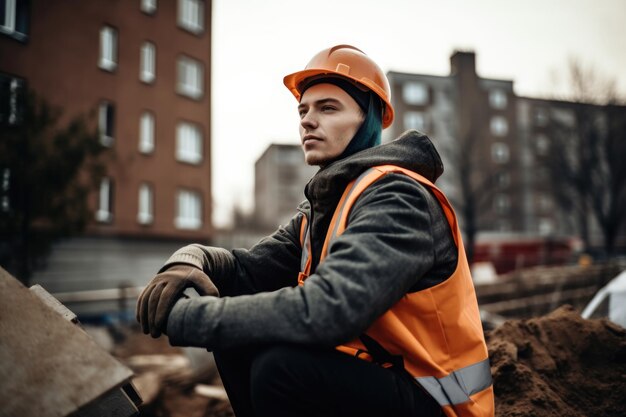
(294, 81)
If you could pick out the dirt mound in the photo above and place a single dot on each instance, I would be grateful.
(555, 365)
(559, 365)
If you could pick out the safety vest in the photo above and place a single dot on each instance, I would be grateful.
(437, 331)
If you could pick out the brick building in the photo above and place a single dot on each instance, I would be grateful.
(144, 67)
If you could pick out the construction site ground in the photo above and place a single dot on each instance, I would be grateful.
(554, 364)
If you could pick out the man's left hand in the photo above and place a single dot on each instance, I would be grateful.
(158, 298)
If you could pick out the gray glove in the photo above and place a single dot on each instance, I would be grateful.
(158, 298)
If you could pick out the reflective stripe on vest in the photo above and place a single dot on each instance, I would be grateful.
(454, 371)
(457, 387)
(305, 242)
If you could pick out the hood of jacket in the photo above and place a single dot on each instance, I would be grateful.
(413, 150)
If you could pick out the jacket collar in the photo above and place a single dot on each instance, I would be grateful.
(412, 150)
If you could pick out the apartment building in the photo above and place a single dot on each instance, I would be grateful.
(569, 128)
(144, 68)
(280, 175)
(495, 145)
(472, 122)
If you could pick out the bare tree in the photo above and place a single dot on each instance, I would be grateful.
(607, 176)
(473, 185)
(46, 173)
(588, 143)
(471, 173)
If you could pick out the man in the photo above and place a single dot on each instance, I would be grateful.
(363, 303)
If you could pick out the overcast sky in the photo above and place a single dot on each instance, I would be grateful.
(256, 43)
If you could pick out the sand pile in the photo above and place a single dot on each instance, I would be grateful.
(559, 365)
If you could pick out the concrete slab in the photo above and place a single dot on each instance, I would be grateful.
(49, 366)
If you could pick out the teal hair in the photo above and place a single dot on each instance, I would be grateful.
(370, 131)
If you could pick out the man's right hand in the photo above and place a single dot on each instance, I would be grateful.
(158, 298)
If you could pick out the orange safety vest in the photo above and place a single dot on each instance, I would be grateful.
(436, 331)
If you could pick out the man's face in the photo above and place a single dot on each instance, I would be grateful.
(329, 119)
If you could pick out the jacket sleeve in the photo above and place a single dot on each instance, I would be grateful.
(271, 264)
(385, 249)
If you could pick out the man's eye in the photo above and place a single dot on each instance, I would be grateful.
(328, 108)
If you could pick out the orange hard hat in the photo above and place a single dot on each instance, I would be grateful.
(347, 62)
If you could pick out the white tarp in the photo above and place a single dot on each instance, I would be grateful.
(614, 293)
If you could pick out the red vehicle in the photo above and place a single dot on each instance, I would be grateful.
(508, 252)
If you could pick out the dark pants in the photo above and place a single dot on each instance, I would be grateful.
(289, 380)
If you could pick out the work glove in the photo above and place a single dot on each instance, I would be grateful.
(158, 298)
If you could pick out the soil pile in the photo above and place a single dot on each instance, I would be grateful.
(559, 365)
(555, 365)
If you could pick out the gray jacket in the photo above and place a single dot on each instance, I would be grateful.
(397, 241)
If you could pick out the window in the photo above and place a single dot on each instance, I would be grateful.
(546, 226)
(541, 116)
(542, 144)
(189, 143)
(145, 211)
(148, 6)
(189, 210)
(288, 156)
(11, 100)
(108, 48)
(286, 174)
(500, 152)
(147, 67)
(190, 77)
(106, 123)
(601, 121)
(104, 213)
(502, 203)
(542, 174)
(7, 23)
(503, 179)
(545, 202)
(415, 93)
(565, 117)
(499, 126)
(146, 132)
(6, 183)
(191, 15)
(504, 225)
(414, 120)
(14, 18)
(497, 99)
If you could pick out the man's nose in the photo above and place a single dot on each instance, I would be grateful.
(308, 121)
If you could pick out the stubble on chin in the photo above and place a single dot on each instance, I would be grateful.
(312, 160)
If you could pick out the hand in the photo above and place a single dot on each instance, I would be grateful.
(158, 298)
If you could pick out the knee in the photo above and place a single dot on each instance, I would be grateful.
(274, 363)
(277, 376)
